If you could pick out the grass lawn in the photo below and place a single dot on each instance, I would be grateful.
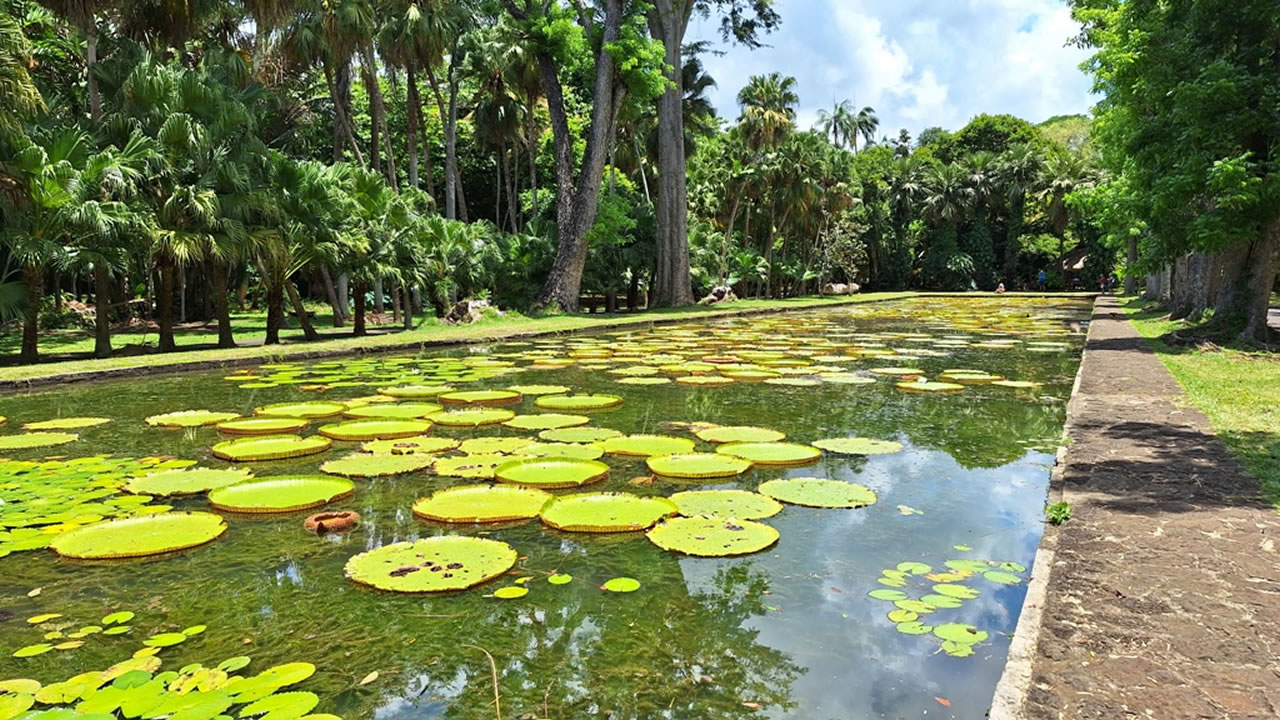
(1238, 390)
(251, 327)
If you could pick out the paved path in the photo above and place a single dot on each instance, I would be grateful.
(1164, 596)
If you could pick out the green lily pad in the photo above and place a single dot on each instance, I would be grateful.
(942, 602)
(643, 381)
(511, 592)
(578, 435)
(551, 473)
(69, 423)
(903, 616)
(712, 537)
(740, 434)
(647, 445)
(397, 411)
(24, 441)
(697, 465)
(858, 446)
(955, 649)
(739, 504)
(314, 410)
(471, 417)
(140, 536)
(415, 391)
(560, 579)
(914, 568)
(493, 445)
(13, 705)
(190, 418)
(480, 397)
(606, 512)
(1002, 578)
(262, 426)
(621, 585)
(578, 451)
(772, 453)
(887, 595)
(546, 421)
(164, 640)
(816, 492)
(930, 387)
(899, 372)
(914, 628)
(32, 650)
(433, 564)
(577, 402)
(375, 429)
(532, 390)
(189, 481)
(961, 592)
(482, 504)
(366, 465)
(972, 566)
(1012, 567)
(117, 618)
(270, 447)
(280, 494)
(410, 446)
(960, 633)
(282, 706)
(1016, 384)
(233, 664)
(479, 467)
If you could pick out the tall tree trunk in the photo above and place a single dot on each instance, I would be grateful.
(358, 327)
(344, 299)
(576, 207)
(300, 311)
(275, 314)
(33, 276)
(164, 307)
(1259, 277)
(395, 303)
(414, 110)
(672, 285)
(368, 75)
(339, 316)
(511, 191)
(530, 137)
(101, 311)
(91, 68)
(225, 337)
(408, 308)
(340, 92)
(1131, 262)
(378, 305)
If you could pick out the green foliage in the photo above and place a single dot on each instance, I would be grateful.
(1058, 513)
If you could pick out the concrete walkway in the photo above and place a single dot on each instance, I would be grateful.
(1163, 599)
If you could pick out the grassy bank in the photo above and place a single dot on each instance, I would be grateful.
(1239, 391)
(428, 334)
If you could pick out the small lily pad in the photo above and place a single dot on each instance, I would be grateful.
(887, 595)
(24, 441)
(621, 585)
(1002, 578)
(511, 592)
(914, 628)
(117, 618)
(190, 418)
(164, 640)
(560, 579)
(960, 633)
(32, 650)
(961, 592)
(69, 423)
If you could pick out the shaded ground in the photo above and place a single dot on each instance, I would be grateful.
(1164, 599)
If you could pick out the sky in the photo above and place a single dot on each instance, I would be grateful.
(919, 63)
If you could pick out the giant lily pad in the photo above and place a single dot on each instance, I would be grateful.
(190, 418)
(539, 389)
(472, 466)
(310, 410)
(647, 445)
(930, 387)
(432, 565)
(816, 492)
(551, 473)
(493, 445)
(772, 453)
(415, 392)
(739, 504)
(69, 423)
(262, 426)
(546, 421)
(410, 446)
(374, 429)
(579, 435)
(580, 451)
(280, 494)
(712, 537)
(480, 397)
(270, 447)
(577, 402)
(858, 446)
(740, 434)
(471, 417)
(482, 504)
(140, 536)
(606, 512)
(24, 441)
(398, 411)
(190, 481)
(378, 464)
(697, 465)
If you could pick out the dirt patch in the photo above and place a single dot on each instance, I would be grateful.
(1164, 596)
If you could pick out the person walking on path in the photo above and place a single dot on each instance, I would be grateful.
(1042, 278)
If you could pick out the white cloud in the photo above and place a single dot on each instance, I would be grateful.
(917, 62)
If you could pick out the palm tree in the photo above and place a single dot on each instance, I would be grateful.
(865, 124)
(1018, 169)
(18, 94)
(838, 122)
(768, 105)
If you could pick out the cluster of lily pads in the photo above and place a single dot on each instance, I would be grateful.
(58, 635)
(47, 433)
(938, 590)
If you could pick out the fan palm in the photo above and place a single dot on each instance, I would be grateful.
(768, 105)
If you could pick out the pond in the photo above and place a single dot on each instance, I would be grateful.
(787, 632)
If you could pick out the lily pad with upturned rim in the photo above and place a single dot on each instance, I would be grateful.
(375, 429)
(415, 391)
(482, 504)
(606, 512)
(647, 445)
(314, 410)
(740, 433)
(546, 421)
(712, 537)
(69, 423)
(140, 536)
(695, 466)
(410, 446)
(480, 397)
(772, 453)
(741, 504)
(579, 435)
(551, 473)
(577, 451)
(188, 481)
(858, 446)
(471, 417)
(25, 441)
(280, 494)
(818, 492)
(262, 426)
(577, 402)
(271, 447)
(434, 564)
(365, 465)
(190, 418)
(398, 411)
(539, 389)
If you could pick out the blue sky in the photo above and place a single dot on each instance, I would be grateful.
(919, 63)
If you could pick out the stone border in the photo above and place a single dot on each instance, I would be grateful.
(1015, 682)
